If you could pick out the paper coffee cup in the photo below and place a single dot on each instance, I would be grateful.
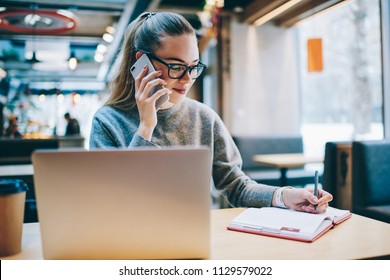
(12, 200)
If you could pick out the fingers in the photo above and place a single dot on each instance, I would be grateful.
(310, 203)
(159, 83)
(325, 196)
(321, 201)
(140, 76)
(152, 90)
(142, 80)
(321, 208)
(312, 199)
(153, 99)
(158, 94)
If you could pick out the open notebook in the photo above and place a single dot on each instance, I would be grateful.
(289, 224)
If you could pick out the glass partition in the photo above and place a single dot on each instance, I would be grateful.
(344, 100)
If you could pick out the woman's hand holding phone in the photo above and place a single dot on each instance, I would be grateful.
(138, 68)
(147, 102)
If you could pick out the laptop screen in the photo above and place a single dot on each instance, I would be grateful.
(124, 204)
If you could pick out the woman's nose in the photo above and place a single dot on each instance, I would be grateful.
(185, 78)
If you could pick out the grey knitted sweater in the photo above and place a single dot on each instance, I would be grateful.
(187, 123)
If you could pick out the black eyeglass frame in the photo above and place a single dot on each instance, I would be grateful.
(188, 68)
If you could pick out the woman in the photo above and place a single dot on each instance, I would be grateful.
(130, 118)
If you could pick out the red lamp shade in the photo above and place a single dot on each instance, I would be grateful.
(38, 22)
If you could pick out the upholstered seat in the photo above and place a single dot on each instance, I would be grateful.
(370, 183)
(250, 146)
(337, 173)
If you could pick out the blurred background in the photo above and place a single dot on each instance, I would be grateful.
(275, 67)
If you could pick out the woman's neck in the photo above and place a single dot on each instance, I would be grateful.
(167, 105)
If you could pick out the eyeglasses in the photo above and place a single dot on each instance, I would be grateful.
(177, 71)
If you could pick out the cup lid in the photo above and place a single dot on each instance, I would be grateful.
(8, 186)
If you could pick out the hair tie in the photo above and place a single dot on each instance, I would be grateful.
(150, 15)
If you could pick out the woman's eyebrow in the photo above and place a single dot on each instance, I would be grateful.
(180, 60)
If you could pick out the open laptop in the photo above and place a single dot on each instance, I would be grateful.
(124, 204)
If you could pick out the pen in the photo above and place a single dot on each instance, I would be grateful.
(315, 187)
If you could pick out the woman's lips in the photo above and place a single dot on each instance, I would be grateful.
(180, 91)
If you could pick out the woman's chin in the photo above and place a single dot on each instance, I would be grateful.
(177, 98)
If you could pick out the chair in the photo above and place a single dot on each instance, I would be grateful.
(250, 146)
(337, 175)
(370, 182)
(18, 151)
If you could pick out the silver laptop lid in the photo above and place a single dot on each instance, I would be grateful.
(124, 204)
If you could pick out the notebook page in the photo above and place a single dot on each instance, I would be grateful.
(276, 218)
(336, 214)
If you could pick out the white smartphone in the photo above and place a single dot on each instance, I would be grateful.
(137, 68)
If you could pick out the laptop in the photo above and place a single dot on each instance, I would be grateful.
(124, 204)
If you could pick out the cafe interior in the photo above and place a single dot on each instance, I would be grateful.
(301, 85)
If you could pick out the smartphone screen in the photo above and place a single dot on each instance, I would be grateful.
(137, 68)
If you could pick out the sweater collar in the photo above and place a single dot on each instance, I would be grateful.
(170, 111)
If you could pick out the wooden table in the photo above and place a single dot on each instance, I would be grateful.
(285, 161)
(356, 238)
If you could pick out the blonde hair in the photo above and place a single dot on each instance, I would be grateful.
(143, 34)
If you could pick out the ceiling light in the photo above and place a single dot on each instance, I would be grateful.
(215, 3)
(66, 13)
(31, 19)
(60, 98)
(42, 98)
(72, 62)
(108, 37)
(76, 98)
(70, 25)
(267, 17)
(37, 21)
(101, 48)
(110, 29)
(238, 9)
(98, 57)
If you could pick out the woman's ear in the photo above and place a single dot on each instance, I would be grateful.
(138, 55)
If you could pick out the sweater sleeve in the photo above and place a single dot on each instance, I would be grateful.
(101, 136)
(112, 129)
(228, 176)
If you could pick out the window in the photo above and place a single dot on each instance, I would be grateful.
(344, 101)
